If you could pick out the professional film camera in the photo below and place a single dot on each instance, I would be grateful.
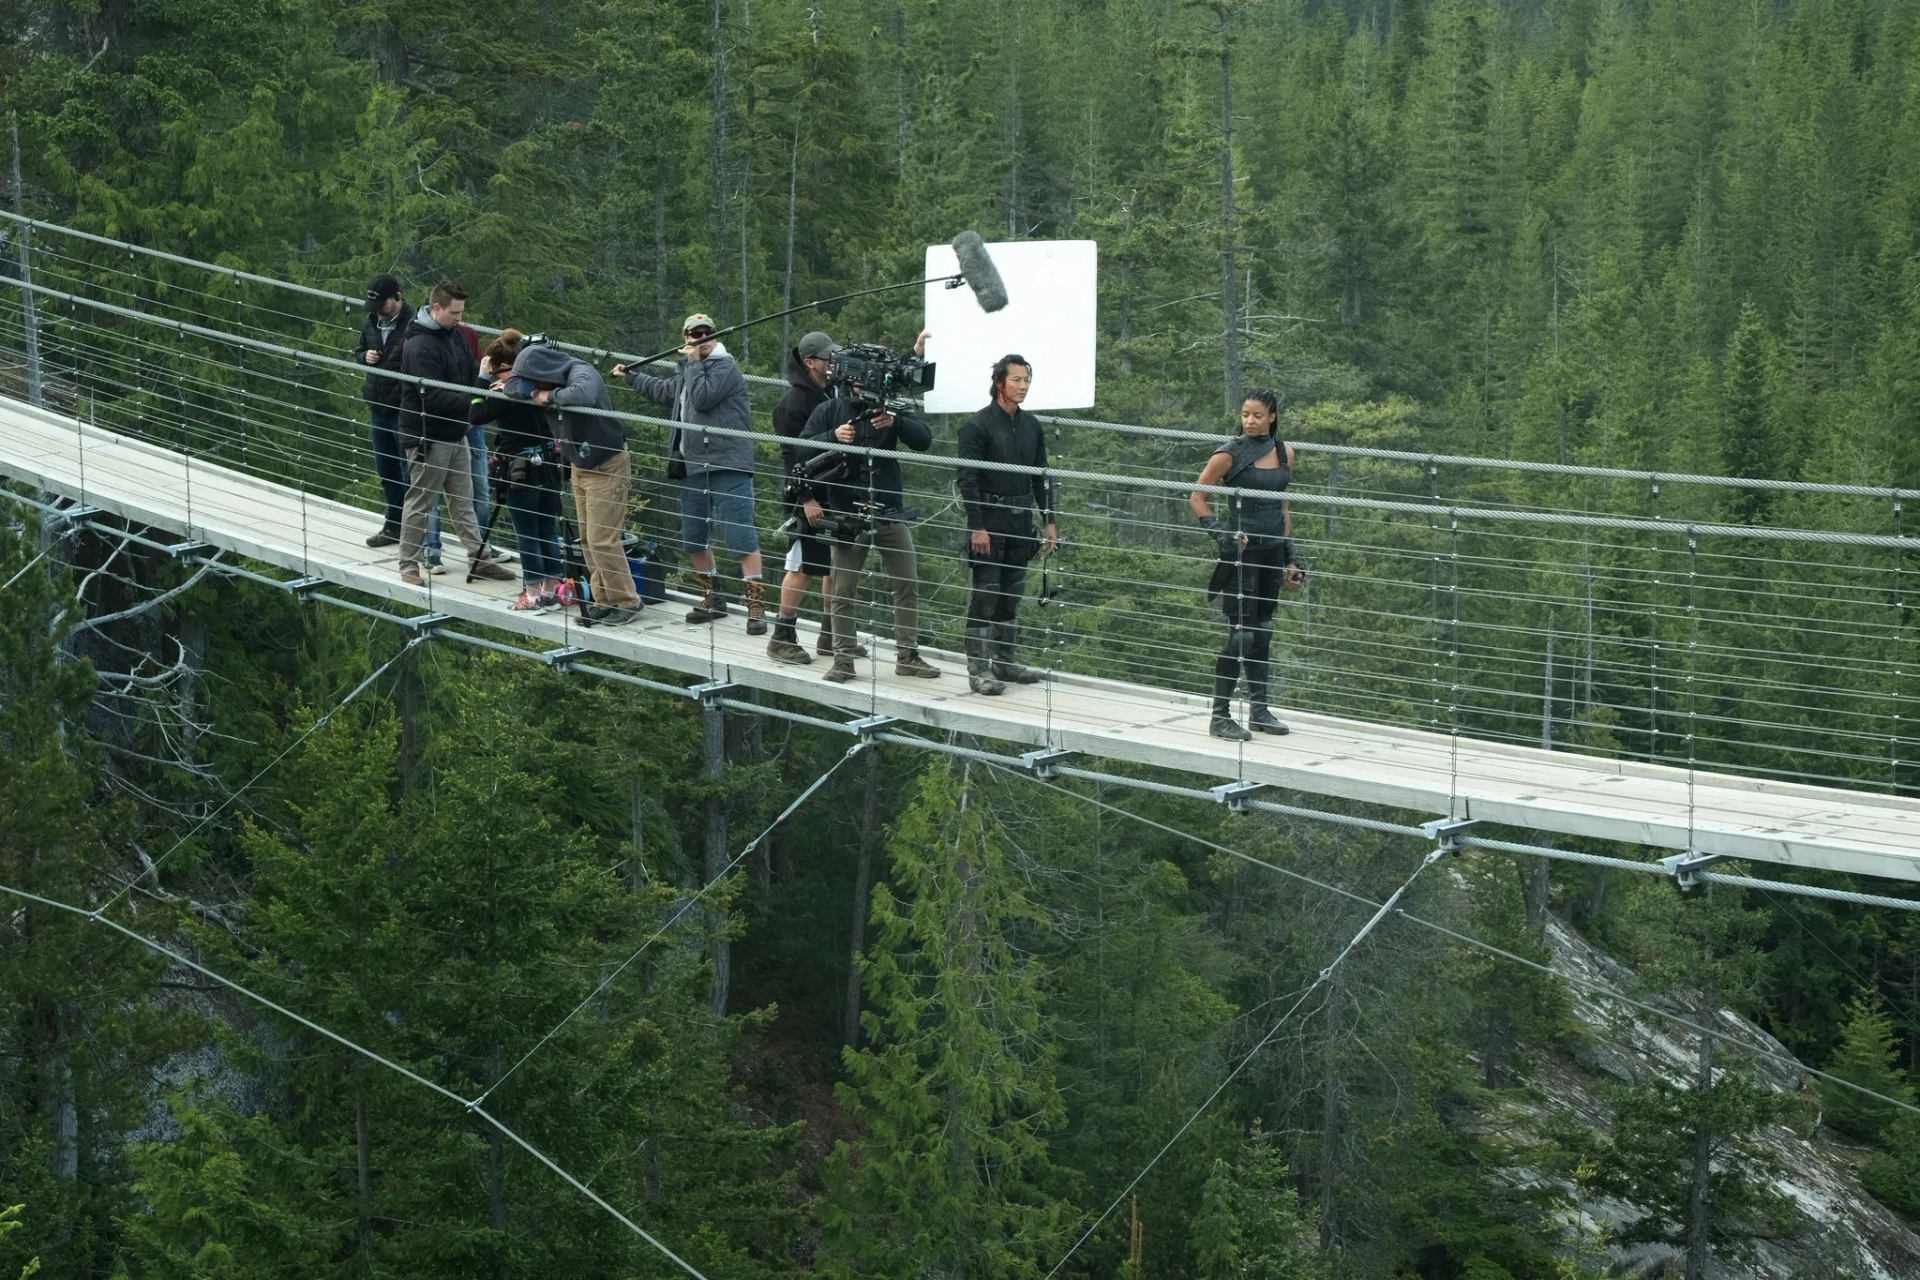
(879, 376)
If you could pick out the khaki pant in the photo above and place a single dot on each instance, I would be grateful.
(436, 468)
(600, 497)
(894, 541)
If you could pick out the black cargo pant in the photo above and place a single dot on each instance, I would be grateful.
(999, 577)
(1249, 594)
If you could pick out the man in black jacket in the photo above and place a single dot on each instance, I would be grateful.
(809, 555)
(381, 337)
(1000, 540)
(863, 507)
(433, 431)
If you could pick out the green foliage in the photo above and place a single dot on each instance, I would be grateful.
(1251, 1225)
(1866, 1057)
(955, 1090)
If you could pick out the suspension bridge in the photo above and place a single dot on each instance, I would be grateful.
(225, 425)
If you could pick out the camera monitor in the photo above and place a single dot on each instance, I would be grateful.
(1052, 302)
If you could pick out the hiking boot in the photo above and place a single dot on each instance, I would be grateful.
(711, 606)
(490, 570)
(785, 645)
(610, 615)
(980, 663)
(410, 574)
(1224, 726)
(1005, 669)
(755, 593)
(910, 663)
(841, 671)
(824, 646)
(1261, 720)
(386, 537)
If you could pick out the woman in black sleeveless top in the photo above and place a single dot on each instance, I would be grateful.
(1256, 560)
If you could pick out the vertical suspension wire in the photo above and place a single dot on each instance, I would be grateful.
(1693, 688)
(1433, 601)
(1899, 660)
(1653, 634)
(1453, 686)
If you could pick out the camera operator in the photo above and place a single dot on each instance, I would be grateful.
(808, 554)
(707, 389)
(570, 390)
(1000, 539)
(861, 506)
(529, 474)
(433, 431)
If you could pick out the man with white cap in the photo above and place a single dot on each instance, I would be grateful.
(707, 390)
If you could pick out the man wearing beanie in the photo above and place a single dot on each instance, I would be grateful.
(381, 337)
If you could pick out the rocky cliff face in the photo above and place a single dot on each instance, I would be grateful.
(1846, 1234)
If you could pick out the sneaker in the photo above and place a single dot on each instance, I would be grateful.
(841, 671)
(490, 571)
(491, 552)
(547, 597)
(434, 567)
(528, 601)
(911, 663)
(410, 574)
(386, 537)
(608, 615)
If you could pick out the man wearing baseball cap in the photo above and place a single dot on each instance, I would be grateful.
(707, 390)
(809, 555)
(381, 337)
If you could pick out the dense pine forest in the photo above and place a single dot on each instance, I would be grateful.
(936, 1022)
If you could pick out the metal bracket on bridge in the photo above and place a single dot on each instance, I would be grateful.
(561, 659)
(867, 726)
(80, 512)
(189, 547)
(1235, 795)
(1445, 832)
(425, 623)
(1045, 763)
(711, 693)
(1685, 869)
(304, 587)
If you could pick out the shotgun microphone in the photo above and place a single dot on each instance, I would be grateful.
(989, 290)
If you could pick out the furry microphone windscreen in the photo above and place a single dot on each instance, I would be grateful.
(982, 276)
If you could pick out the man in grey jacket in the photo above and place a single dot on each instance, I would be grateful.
(705, 390)
(570, 389)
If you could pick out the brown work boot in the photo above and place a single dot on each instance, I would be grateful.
(410, 574)
(711, 606)
(492, 570)
(841, 671)
(910, 663)
(785, 645)
(756, 596)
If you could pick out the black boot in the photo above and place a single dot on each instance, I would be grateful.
(1005, 635)
(980, 662)
(1226, 672)
(1258, 666)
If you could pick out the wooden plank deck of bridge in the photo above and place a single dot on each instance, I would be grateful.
(1433, 774)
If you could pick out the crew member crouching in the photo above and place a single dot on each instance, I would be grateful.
(1255, 561)
(1000, 537)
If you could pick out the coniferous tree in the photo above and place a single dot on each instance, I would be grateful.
(1867, 1057)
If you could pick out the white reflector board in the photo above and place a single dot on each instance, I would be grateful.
(1052, 301)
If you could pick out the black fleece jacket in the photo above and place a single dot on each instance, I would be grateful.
(441, 355)
(383, 392)
(885, 484)
(803, 396)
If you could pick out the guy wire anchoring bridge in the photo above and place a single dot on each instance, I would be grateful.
(1557, 649)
